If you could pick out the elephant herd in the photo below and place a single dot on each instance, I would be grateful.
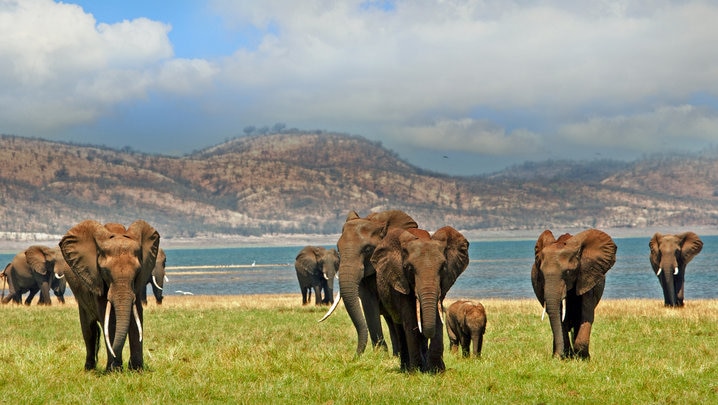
(107, 268)
(386, 265)
(390, 268)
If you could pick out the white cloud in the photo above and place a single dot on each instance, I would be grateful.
(474, 69)
(58, 67)
(472, 136)
(662, 129)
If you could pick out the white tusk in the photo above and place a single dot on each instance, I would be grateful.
(166, 279)
(107, 329)
(418, 314)
(440, 307)
(675, 271)
(333, 307)
(59, 277)
(154, 281)
(660, 270)
(563, 309)
(137, 319)
(543, 313)
(325, 277)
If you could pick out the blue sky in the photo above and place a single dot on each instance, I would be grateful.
(460, 87)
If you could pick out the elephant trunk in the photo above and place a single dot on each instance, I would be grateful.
(555, 315)
(123, 305)
(666, 277)
(349, 279)
(429, 309)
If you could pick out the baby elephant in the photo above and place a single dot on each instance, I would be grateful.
(466, 323)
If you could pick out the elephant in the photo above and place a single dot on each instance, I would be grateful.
(466, 323)
(316, 268)
(670, 254)
(414, 271)
(157, 279)
(568, 278)
(110, 265)
(38, 268)
(357, 277)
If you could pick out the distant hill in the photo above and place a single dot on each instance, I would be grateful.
(308, 182)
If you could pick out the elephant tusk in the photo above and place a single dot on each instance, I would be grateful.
(660, 270)
(563, 309)
(418, 314)
(333, 307)
(137, 319)
(440, 307)
(675, 271)
(107, 329)
(59, 277)
(326, 278)
(166, 279)
(154, 282)
(543, 313)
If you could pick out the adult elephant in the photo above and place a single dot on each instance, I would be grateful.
(109, 266)
(316, 268)
(157, 279)
(414, 271)
(670, 254)
(357, 277)
(33, 270)
(466, 325)
(568, 278)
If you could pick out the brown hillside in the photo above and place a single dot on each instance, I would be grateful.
(308, 182)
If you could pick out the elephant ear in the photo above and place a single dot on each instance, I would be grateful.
(691, 245)
(655, 256)
(37, 257)
(393, 219)
(388, 260)
(149, 240)
(79, 248)
(596, 253)
(307, 259)
(456, 251)
(537, 280)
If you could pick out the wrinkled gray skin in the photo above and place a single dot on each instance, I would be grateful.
(466, 325)
(572, 268)
(357, 277)
(157, 279)
(670, 254)
(110, 265)
(414, 271)
(35, 270)
(316, 268)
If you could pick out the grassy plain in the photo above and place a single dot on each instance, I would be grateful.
(270, 349)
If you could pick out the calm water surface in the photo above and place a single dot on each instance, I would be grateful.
(498, 269)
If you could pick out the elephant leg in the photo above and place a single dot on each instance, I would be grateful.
(394, 336)
(453, 338)
(136, 357)
(30, 296)
(465, 344)
(435, 356)
(399, 344)
(304, 295)
(370, 305)
(91, 335)
(679, 290)
(317, 295)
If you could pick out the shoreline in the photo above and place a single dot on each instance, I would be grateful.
(8, 246)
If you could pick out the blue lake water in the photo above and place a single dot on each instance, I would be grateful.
(499, 269)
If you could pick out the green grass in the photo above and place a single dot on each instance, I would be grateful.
(270, 349)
